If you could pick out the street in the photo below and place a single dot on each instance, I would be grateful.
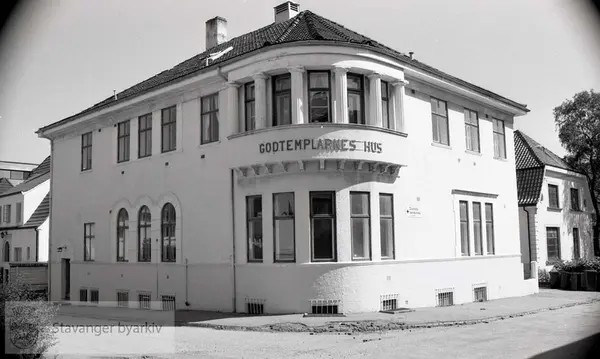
(564, 333)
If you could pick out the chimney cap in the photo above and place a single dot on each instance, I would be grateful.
(217, 18)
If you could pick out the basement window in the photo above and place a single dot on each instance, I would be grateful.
(326, 307)
(168, 303)
(444, 297)
(123, 299)
(144, 301)
(94, 296)
(480, 294)
(388, 302)
(83, 297)
(255, 306)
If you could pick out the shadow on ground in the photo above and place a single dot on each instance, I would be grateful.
(587, 348)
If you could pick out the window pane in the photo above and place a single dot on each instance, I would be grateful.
(319, 106)
(283, 111)
(384, 114)
(384, 89)
(553, 196)
(385, 205)
(283, 83)
(386, 227)
(255, 239)
(250, 91)
(354, 108)
(359, 203)
(443, 130)
(319, 80)
(464, 228)
(360, 238)
(477, 228)
(250, 116)
(214, 126)
(322, 235)
(284, 239)
(553, 243)
(284, 204)
(322, 204)
(354, 82)
(576, 251)
(435, 128)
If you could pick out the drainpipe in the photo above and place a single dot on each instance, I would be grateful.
(187, 303)
(37, 244)
(233, 242)
(50, 224)
(529, 239)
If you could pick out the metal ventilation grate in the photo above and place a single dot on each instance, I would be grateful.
(94, 296)
(388, 302)
(83, 297)
(326, 307)
(480, 293)
(255, 306)
(444, 297)
(168, 302)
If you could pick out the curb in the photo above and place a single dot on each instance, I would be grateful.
(388, 326)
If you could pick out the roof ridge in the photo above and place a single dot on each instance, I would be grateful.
(292, 25)
(524, 138)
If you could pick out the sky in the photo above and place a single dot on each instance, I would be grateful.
(58, 57)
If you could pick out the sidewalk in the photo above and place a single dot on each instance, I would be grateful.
(469, 313)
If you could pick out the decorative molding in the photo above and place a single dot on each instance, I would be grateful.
(373, 166)
(301, 165)
(256, 169)
(284, 166)
(269, 167)
(341, 164)
(358, 165)
(474, 194)
(400, 83)
(296, 69)
(260, 76)
(321, 165)
(321, 125)
(374, 75)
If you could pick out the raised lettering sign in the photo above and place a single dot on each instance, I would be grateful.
(323, 144)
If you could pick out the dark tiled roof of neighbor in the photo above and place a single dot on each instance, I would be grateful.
(304, 27)
(5, 185)
(31, 183)
(529, 185)
(42, 168)
(529, 153)
(40, 214)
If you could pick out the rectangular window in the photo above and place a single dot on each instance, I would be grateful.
(360, 222)
(169, 129)
(284, 227)
(28, 253)
(477, 232)
(499, 138)
(489, 228)
(18, 254)
(83, 295)
(322, 223)
(356, 99)
(439, 121)
(17, 175)
(319, 96)
(464, 227)
(553, 242)
(553, 196)
(123, 299)
(472, 130)
(386, 225)
(94, 295)
(209, 113)
(575, 199)
(7, 213)
(123, 141)
(250, 108)
(144, 301)
(255, 232)
(86, 151)
(19, 212)
(282, 100)
(145, 135)
(88, 242)
(576, 250)
(385, 104)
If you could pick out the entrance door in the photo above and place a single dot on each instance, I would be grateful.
(66, 272)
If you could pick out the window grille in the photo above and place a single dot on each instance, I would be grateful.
(123, 299)
(144, 301)
(168, 302)
(388, 302)
(325, 307)
(94, 296)
(444, 297)
(255, 306)
(479, 293)
(83, 295)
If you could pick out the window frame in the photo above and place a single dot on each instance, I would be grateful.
(319, 89)
(576, 244)
(6, 253)
(391, 218)
(7, 213)
(168, 224)
(490, 234)
(146, 132)
(248, 101)
(553, 186)
(18, 254)
(86, 147)
(361, 93)
(124, 134)
(276, 218)
(209, 112)
(253, 219)
(385, 99)
(558, 257)
(447, 121)
(122, 228)
(333, 218)
(468, 226)
(146, 226)
(19, 212)
(171, 125)
(475, 231)
(276, 93)
(497, 134)
(575, 200)
(469, 127)
(88, 242)
(361, 216)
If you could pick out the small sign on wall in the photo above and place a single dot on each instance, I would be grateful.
(413, 212)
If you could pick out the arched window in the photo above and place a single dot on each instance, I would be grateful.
(144, 236)
(6, 251)
(168, 233)
(122, 229)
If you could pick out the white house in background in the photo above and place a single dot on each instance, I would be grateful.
(299, 167)
(555, 208)
(14, 172)
(24, 223)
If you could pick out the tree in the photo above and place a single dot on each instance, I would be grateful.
(578, 124)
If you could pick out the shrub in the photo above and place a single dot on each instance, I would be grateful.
(557, 265)
(543, 276)
(27, 317)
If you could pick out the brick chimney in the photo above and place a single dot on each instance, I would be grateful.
(286, 11)
(216, 32)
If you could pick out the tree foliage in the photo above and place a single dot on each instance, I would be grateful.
(578, 124)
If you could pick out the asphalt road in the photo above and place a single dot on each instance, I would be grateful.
(565, 333)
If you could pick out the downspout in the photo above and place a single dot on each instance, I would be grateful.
(37, 244)
(50, 224)
(187, 303)
(233, 242)
(528, 234)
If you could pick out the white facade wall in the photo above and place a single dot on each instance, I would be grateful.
(200, 181)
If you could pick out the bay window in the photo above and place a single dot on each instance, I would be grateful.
(322, 223)
(319, 96)
(356, 102)
(282, 100)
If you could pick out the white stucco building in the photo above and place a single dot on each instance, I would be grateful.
(555, 208)
(24, 222)
(298, 165)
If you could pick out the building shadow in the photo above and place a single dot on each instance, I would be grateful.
(587, 348)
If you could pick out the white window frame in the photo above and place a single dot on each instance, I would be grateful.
(482, 198)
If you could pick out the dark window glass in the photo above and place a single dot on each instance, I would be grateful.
(553, 196)
(489, 228)
(145, 135)
(17, 175)
(319, 96)
(284, 227)
(168, 233)
(254, 229)
(210, 118)
(169, 129)
(86, 151)
(123, 141)
(360, 223)
(122, 231)
(89, 253)
(356, 101)
(439, 121)
(477, 230)
(575, 199)
(144, 235)
(249, 103)
(322, 220)
(553, 243)
(385, 104)
(386, 223)
(576, 247)
(499, 139)
(464, 227)
(472, 130)
(282, 100)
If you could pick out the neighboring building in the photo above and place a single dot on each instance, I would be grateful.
(24, 223)
(300, 167)
(14, 172)
(555, 208)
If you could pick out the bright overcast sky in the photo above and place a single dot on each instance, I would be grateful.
(58, 57)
